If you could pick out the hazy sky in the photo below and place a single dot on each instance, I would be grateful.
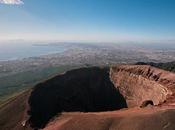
(87, 20)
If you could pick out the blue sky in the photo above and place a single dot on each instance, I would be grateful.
(88, 20)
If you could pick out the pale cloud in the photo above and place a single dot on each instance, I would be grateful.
(14, 2)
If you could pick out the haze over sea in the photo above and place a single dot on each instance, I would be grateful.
(19, 51)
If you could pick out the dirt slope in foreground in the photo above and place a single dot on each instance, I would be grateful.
(131, 119)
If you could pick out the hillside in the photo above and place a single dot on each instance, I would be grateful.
(13, 84)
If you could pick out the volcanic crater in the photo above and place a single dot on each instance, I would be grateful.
(83, 90)
(98, 89)
(96, 93)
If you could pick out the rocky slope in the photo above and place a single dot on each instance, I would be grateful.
(87, 92)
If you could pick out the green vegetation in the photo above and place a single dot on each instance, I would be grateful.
(13, 84)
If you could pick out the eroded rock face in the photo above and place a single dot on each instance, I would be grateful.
(138, 83)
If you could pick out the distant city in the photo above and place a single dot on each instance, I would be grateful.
(37, 56)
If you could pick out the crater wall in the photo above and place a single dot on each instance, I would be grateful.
(138, 83)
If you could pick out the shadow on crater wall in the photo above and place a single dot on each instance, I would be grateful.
(85, 90)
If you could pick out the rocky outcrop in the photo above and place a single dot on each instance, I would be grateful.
(138, 83)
